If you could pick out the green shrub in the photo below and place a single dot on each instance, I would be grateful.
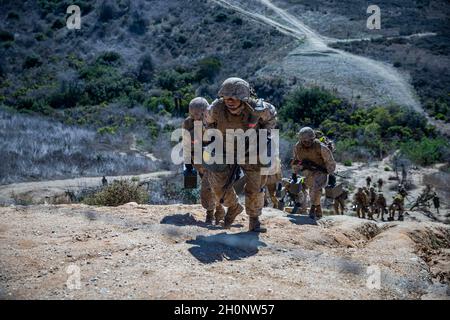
(311, 106)
(31, 62)
(107, 130)
(129, 121)
(104, 82)
(247, 44)
(427, 151)
(208, 68)
(237, 21)
(169, 80)
(138, 25)
(40, 36)
(6, 36)
(146, 69)
(12, 15)
(164, 102)
(58, 24)
(106, 11)
(153, 129)
(109, 58)
(119, 192)
(221, 17)
(67, 96)
(348, 163)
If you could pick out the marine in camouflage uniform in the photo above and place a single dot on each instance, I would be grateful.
(325, 140)
(339, 203)
(236, 110)
(362, 202)
(197, 108)
(381, 205)
(372, 202)
(311, 149)
(300, 199)
(271, 184)
(398, 204)
(380, 184)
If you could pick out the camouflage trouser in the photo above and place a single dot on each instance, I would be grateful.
(271, 190)
(396, 206)
(361, 210)
(315, 182)
(207, 197)
(339, 206)
(253, 190)
(381, 210)
(302, 199)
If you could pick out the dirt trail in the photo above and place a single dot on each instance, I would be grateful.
(410, 36)
(39, 192)
(166, 252)
(315, 62)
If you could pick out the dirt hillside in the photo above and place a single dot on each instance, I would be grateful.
(166, 252)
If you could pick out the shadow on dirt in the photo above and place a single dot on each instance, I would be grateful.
(301, 220)
(188, 219)
(223, 246)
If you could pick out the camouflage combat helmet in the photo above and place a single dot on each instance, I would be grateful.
(198, 104)
(319, 134)
(306, 134)
(235, 88)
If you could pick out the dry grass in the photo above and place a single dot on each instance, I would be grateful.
(32, 148)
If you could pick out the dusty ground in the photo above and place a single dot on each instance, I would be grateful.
(166, 252)
(163, 252)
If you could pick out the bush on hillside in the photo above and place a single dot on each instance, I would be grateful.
(119, 192)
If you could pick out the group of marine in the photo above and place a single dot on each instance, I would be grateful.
(312, 164)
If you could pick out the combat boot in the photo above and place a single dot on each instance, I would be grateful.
(312, 212)
(296, 208)
(319, 212)
(220, 214)
(232, 213)
(255, 225)
(209, 217)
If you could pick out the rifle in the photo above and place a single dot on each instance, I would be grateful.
(232, 177)
(190, 177)
(312, 166)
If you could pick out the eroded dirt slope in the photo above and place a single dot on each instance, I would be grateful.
(163, 252)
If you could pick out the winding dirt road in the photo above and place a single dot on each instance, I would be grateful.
(356, 77)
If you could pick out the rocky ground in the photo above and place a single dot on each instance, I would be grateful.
(167, 252)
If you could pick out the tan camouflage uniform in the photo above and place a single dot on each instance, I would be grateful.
(271, 184)
(398, 204)
(301, 197)
(207, 197)
(219, 117)
(380, 205)
(362, 202)
(254, 196)
(315, 181)
(372, 202)
(339, 203)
